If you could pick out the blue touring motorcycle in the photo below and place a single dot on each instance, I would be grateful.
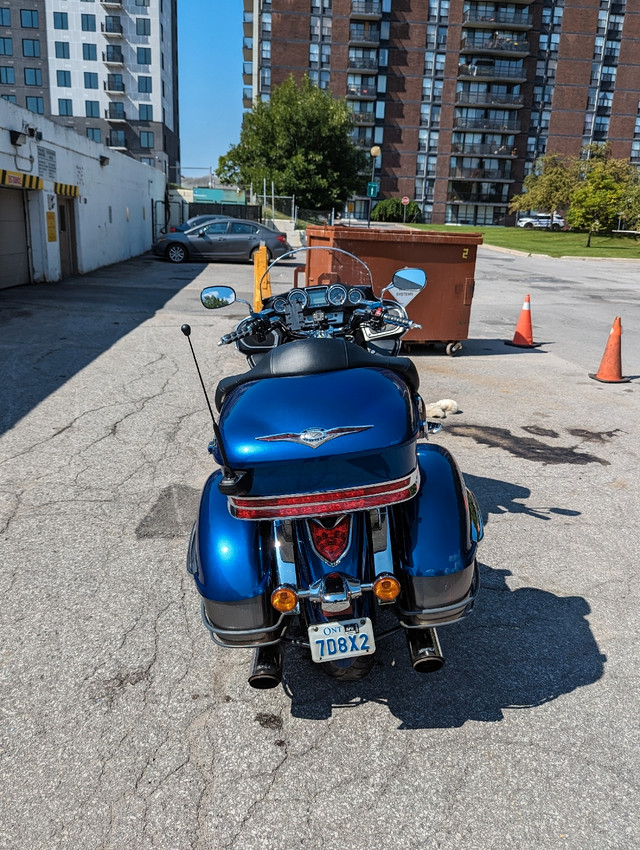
(327, 507)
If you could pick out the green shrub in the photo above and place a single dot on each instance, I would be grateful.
(394, 210)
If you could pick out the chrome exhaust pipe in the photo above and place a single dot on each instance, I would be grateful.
(266, 670)
(424, 650)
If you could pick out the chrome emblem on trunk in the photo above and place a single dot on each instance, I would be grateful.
(314, 437)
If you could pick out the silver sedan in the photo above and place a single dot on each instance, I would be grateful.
(232, 239)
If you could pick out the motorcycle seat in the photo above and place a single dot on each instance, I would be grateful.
(313, 356)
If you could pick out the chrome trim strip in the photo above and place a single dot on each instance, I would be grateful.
(381, 541)
(465, 606)
(213, 632)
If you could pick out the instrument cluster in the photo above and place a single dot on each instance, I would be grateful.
(318, 297)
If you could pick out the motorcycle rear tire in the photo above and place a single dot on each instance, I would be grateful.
(357, 669)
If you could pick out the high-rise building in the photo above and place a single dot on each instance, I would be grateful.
(106, 68)
(460, 95)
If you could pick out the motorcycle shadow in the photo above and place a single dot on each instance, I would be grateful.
(519, 649)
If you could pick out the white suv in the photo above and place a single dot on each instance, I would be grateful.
(541, 221)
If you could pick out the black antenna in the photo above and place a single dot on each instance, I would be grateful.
(231, 478)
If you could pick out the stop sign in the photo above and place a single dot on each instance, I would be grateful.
(405, 200)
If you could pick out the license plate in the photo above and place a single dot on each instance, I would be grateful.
(336, 640)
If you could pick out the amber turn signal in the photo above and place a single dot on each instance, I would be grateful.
(284, 599)
(386, 588)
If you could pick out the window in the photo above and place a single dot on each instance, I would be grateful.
(146, 139)
(143, 26)
(35, 104)
(5, 17)
(60, 21)
(145, 112)
(32, 77)
(7, 75)
(31, 47)
(6, 47)
(144, 84)
(89, 52)
(114, 53)
(88, 23)
(94, 134)
(65, 106)
(90, 80)
(144, 56)
(63, 79)
(28, 19)
(62, 49)
(142, 2)
(92, 108)
(112, 24)
(117, 139)
(10, 97)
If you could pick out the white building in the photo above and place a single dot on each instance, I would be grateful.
(67, 204)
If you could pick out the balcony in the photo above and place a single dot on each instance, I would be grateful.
(476, 198)
(364, 119)
(114, 86)
(361, 92)
(494, 44)
(484, 174)
(490, 72)
(113, 57)
(359, 63)
(367, 37)
(491, 124)
(109, 3)
(111, 28)
(366, 9)
(489, 99)
(117, 141)
(112, 114)
(513, 20)
(464, 149)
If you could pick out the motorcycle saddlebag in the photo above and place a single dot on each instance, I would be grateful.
(349, 436)
(437, 534)
(229, 562)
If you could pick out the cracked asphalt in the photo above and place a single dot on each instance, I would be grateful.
(123, 726)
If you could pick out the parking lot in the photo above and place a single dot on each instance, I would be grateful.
(123, 726)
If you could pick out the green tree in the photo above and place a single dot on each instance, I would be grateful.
(548, 187)
(606, 191)
(393, 210)
(301, 141)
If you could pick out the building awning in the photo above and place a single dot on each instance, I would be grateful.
(66, 189)
(20, 181)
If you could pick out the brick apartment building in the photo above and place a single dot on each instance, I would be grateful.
(461, 96)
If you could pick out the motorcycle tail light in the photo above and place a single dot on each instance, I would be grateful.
(330, 543)
(284, 599)
(325, 503)
(386, 588)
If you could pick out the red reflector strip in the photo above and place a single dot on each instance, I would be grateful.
(323, 504)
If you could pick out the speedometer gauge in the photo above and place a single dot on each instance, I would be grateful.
(299, 297)
(280, 305)
(336, 294)
(355, 296)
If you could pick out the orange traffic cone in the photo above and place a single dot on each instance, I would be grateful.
(523, 337)
(610, 371)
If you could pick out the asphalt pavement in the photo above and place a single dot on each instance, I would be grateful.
(123, 726)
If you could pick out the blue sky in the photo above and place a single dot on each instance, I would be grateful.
(210, 80)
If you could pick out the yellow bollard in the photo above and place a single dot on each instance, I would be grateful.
(260, 264)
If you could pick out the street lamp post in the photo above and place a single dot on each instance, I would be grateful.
(375, 153)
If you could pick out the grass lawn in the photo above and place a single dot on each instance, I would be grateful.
(562, 244)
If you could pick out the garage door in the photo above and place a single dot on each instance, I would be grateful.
(14, 257)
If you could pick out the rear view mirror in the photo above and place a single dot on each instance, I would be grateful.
(217, 296)
(412, 279)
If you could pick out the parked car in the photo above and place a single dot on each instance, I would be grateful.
(228, 239)
(541, 221)
(197, 220)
